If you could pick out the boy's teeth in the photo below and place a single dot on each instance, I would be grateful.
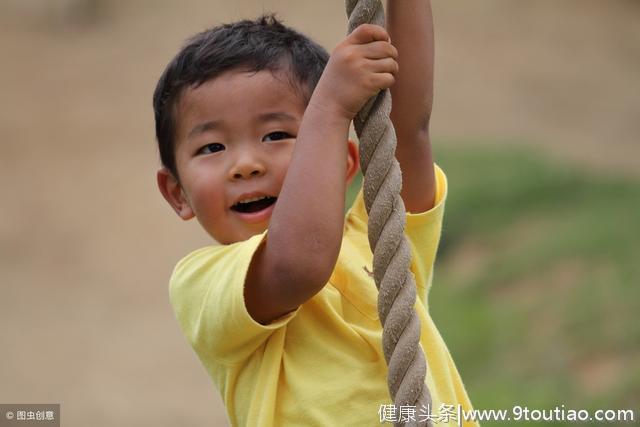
(252, 199)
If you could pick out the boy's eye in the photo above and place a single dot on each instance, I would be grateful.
(276, 136)
(211, 148)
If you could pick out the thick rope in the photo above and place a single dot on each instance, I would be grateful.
(391, 252)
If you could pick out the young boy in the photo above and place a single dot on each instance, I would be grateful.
(252, 122)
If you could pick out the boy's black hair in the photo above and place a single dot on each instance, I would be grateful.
(261, 44)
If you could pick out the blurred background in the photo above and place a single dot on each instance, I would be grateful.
(536, 122)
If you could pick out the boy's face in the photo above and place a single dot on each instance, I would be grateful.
(234, 139)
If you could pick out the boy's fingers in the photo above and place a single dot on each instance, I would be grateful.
(383, 80)
(379, 50)
(386, 65)
(367, 33)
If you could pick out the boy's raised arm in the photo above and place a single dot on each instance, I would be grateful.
(410, 25)
(305, 230)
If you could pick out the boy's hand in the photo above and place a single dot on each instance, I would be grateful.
(363, 64)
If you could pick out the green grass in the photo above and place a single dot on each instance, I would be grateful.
(537, 282)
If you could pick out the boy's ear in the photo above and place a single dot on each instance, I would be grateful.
(173, 193)
(353, 160)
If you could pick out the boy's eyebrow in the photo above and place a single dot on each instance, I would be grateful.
(204, 127)
(276, 115)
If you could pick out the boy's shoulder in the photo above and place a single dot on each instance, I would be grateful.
(357, 214)
(215, 262)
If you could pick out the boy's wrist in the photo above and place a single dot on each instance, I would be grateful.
(332, 112)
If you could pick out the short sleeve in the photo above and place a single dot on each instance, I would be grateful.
(207, 294)
(434, 215)
(423, 231)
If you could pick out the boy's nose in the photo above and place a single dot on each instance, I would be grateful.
(247, 168)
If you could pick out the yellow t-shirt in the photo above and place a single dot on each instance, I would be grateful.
(321, 365)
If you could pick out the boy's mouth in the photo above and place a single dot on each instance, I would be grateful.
(254, 204)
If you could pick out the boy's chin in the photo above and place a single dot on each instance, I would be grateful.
(240, 226)
(240, 234)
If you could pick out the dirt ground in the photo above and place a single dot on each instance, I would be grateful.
(87, 243)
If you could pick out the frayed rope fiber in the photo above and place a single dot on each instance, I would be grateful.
(391, 252)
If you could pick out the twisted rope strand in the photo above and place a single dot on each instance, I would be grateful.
(391, 252)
